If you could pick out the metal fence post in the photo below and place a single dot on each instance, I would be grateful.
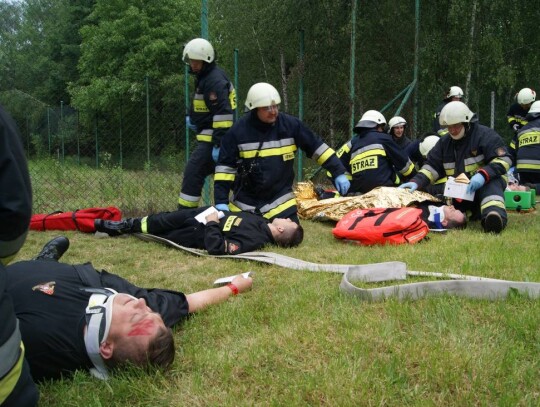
(96, 138)
(492, 122)
(62, 128)
(147, 122)
(49, 128)
(301, 102)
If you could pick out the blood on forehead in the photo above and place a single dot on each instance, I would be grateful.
(142, 328)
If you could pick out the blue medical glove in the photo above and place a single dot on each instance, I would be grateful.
(411, 186)
(215, 153)
(477, 181)
(222, 207)
(190, 125)
(342, 184)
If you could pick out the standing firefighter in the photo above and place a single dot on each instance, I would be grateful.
(256, 160)
(517, 113)
(477, 151)
(211, 115)
(16, 385)
(455, 93)
(527, 149)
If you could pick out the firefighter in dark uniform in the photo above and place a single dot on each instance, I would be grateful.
(212, 114)
(257, 157)
(397, 126)
(234, 233)
(527, 150)
(455, 93)
(16, 385)
(69, 322)
(372, 158)
(477, 151)
(517, 113)
(418, 151)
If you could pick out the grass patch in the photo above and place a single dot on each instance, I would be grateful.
(296, 340)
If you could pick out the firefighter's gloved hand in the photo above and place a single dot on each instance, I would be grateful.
(516, 127)
(215, 153)
(342, 184)
(222, 207)
(411, 186)
(477, 181)
(190, 125)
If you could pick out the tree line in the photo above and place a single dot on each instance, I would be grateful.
(96, 54)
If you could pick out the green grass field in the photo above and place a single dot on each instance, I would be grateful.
(296, 340)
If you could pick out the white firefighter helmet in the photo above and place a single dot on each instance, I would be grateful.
(526, 96)
(455, 112)
(261, 95)
(534, 111)
(427, 144)
(198, 49)
(454, 91)
(396, 121)
(370, 119)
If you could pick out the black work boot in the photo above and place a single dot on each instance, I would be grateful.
(54, 249)
(115, 227)
(493, 223)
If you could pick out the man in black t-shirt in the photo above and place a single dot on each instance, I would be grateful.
(68, 321)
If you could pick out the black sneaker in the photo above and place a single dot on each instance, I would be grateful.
(54, 249)
(114, 227)
(493, 223)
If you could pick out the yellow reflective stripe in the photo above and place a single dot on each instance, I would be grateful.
(232, 98)
(449, 171)
(229, 223)
(189, 204)
(204, 137)
(222, 125)
(488, 204)
(473, 167)
(512, 145)
(325, 156)
(376, 151)
(442, 132)
(234, 208)
(441, 180)
(503, 162)
(343, 149)
(528, 166)
(268, 152)
(144, 224)
(199, 106)
(9, 381)
(427, 174)
(411, 168)
(280, 208)
(223, 176)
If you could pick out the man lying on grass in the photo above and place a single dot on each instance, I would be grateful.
(74, 317)
(234, 233)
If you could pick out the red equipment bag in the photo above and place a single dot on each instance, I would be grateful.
(81, 219)
(382, 226)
